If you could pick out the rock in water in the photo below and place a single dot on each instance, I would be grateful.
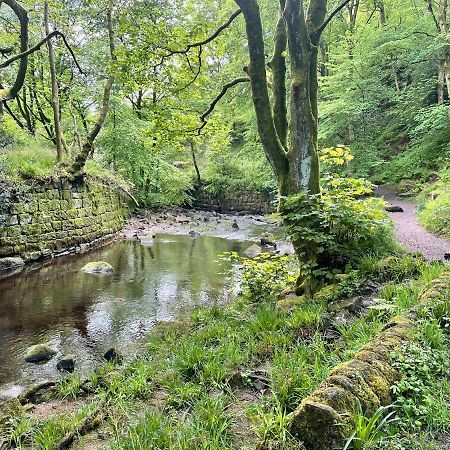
(393, 208)
(112, 355)
(39, 353)
(268, 241)
(67, 364)
(97, 267)
(194, 234)
(235, 225)
(11, 263)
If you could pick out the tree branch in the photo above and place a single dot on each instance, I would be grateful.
(209, 38)
(6, 50)
(322, 27)
(431, 10)
(34, 49)
(213, 104)
(22, 15)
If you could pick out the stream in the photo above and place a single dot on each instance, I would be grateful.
(154, 280)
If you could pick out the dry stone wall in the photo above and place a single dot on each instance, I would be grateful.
(49, 219)
(229, 201)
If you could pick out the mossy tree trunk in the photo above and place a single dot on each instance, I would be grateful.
(87, 148)
(289, 138)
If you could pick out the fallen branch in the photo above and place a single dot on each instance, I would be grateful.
(31, 394)
(89, 423)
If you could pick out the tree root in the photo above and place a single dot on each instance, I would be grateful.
(88, 424)
(31, 395)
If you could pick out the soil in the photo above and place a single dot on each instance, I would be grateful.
(408, 230)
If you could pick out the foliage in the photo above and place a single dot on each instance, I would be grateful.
(424, 366)
(369, 430)
(338, 226)
(266, 275)
(434, 203)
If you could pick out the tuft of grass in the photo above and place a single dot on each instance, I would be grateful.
(369, 430)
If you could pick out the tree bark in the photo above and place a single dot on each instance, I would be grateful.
(60, 148)
(444, 63)
(21, 14)
(88, 146)
(270, 140)
(278, 66)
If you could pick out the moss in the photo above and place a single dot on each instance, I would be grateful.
(372, 376)
(340, 399)
(288, 303)
(327, 293)
(317, 424)
(355, 383)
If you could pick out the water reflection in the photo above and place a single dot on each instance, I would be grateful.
(83, 314)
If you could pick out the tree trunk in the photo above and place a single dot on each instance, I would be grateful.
(444, 63)
(194, 160)
(88, 146)
(60, 150)
(21, 14)
(382, 12)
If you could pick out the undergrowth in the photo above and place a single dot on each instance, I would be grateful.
(230, 377)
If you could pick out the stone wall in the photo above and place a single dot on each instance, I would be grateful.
(59, 217)
(229, 201)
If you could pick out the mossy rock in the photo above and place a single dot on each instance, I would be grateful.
(39, 353)
(290, 303)
(327, 293)
(101, 267)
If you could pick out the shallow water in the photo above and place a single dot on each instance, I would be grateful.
(84, 314)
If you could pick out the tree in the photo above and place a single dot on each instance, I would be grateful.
(60, 148)
(294, 160)
(88, 146)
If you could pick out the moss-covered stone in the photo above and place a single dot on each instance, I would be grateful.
(59, 215)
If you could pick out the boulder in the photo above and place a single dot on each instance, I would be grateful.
(253, 251)
(39, 353)
(11, 263)
(393, 209)
(268, 241)
(235, 225)
(67, 364)
(97, 267)
(112, 355)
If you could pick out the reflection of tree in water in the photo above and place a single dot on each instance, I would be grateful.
(60, 303)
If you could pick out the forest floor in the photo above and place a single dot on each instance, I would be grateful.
(409, 232)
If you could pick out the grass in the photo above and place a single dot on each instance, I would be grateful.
(34, 161)
(193, 374)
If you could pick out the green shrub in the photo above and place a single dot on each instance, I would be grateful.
(435, 216)
(266, 275)
(339, 226)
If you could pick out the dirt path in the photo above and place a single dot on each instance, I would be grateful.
(408, 231)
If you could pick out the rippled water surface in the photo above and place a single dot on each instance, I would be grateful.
(84, 314)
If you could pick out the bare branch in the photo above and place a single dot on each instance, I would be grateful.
(209, 38)
(34, 49)
(200, 44)
(431, 10)
(213, 104)
(322, 27)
